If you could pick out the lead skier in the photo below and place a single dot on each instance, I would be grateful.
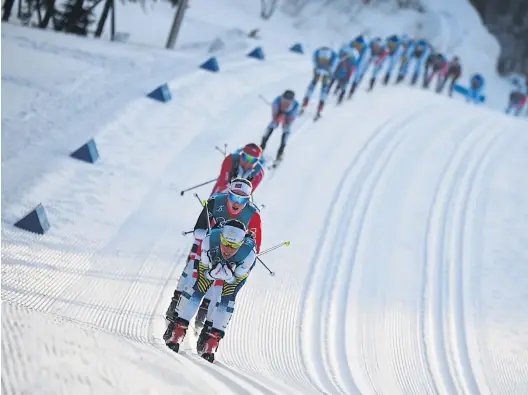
(227, 255)
(234, 204)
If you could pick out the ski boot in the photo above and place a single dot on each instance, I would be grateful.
(386, 79)
(399, 79)
(414, 79)
(352, 89)
(208, 325)
(211, 344)
(177, 335)
(201, 315)
(371, 84)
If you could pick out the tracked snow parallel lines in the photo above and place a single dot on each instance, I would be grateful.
(445, 325)
(339, 377)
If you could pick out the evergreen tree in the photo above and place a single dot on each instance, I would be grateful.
(77, 16)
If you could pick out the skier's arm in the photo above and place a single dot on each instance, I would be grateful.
(204, 257)
(223, 180)
(243, 268)
(255, 225)
(257, 179)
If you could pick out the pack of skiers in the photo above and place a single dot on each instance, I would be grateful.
(399, 56)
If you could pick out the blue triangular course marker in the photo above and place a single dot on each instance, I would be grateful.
(257, 53)
(161, 93)
(211, 65)
(36, 221)
(86, 152)
(297, 48)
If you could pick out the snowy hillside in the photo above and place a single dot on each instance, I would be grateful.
(408, 265)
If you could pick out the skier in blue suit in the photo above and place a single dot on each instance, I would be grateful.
(475, 89)
(417, 53)
(324, 61)
(361, 44)
(284, 110)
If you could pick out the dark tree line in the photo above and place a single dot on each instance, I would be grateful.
(507, 20)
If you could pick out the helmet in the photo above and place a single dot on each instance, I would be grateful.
(253, 150)
(288, 95)
(393, 39)
(233, 233)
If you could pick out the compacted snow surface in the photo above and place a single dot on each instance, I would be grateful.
(408, 266)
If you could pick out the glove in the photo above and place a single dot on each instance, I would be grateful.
(220, 272)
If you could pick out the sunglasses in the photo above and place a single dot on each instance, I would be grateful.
(238, 198)
(230, 244)
(249, 158)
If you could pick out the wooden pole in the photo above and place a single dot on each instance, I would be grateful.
(176, 24)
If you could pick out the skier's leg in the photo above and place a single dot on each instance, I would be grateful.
(222, 317)
(190, 300)
(284, 140)
(267, 134)
(322, 96)
(187, 270)
(310, 89)
(208, 304)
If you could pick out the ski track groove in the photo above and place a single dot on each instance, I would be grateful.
(339, 378)
(442, 292)
(363, 196)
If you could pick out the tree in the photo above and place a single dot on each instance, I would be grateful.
(76, 18)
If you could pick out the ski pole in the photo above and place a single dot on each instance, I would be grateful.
(284, 243)
(204, 204)
(224, 152)
(196, 186)
(186, 233)
(272, 273)
(264, 99)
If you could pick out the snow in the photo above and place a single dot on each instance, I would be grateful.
(407, 268)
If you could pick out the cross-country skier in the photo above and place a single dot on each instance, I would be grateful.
(416, 52)
(436, 64)
(395, 49)
(517, 99)
(284, 109)
(377, 56)
(360, 43)
(453, 72)
(324, 64)
(235, 204)
(348, 58)
(475, 89)
(227, 255)
(245, 164)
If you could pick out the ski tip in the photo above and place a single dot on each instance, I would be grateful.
(287, 243)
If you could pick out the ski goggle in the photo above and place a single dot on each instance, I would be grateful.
(248, 158)
(237, 198)
(230, 244)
